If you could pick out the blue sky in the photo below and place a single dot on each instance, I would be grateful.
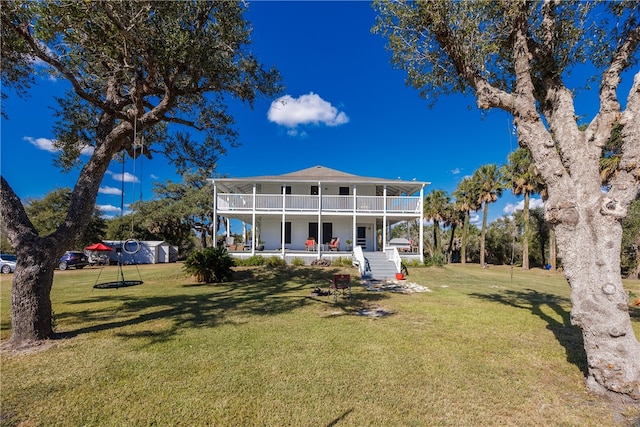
(344, 107)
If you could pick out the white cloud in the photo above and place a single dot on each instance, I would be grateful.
(474, 218)
(297, 133)
(510, 208)
(307, 109)
(456, 171)
(47, 144)
(126, 177)
(42, 143)
(110, 190)
(108, 209)
(87, 150)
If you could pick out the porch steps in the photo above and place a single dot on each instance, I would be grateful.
(381, 267)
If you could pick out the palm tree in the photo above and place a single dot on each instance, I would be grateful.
(466, 201)
(522, 177)
(452, 218)
(489, 181)
(435, 205)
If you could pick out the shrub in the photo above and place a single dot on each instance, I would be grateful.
(342, 262)
(413, 263)
(210, 265)
(297, 262)
(275, 262)
(437, 260)
(253, 261)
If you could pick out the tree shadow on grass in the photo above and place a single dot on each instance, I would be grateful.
(569, 336)
(252, 292)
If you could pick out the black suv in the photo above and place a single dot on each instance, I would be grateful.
(73, 259)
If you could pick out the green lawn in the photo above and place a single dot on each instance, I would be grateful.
(484, 347)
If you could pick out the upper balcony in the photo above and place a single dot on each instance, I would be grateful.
(265, 203)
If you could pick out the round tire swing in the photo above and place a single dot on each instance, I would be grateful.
(130, 246)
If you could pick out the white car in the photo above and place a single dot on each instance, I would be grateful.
(7, 263)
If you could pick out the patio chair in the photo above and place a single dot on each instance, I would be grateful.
(310, 244)
(334, 244)
(340, 285)
(229, 242)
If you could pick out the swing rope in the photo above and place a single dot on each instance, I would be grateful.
(124, 244)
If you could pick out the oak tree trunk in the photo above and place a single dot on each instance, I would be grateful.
(599, 302)
(31, 310)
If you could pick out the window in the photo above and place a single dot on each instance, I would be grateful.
(287, 232)
(343, 191)
(314, 190)
(313, 230)
(287, 189)
(327, 231)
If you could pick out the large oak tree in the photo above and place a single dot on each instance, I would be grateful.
(517, 56)
(152, 69)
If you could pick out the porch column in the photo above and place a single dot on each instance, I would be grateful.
(319, 242)
(420, 205)
(284, 217)
(254, 228)
(355, 219)
(215, 214)
(384, 219)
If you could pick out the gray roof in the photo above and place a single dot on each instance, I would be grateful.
(318, 174)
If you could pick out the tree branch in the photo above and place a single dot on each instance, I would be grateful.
(609, 105)
(626, 183)
(41, 53)
(19, 227)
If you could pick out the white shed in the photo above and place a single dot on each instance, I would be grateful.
(146, 251)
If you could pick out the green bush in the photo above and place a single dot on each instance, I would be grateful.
(275, 262)
(297, 262)
(252, 261)
(436, 260)
(413, 263)
(342, 262)
(210, 265)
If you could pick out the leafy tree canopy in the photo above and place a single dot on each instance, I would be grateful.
(146, 64)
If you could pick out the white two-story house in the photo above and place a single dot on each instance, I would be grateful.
(285, 211)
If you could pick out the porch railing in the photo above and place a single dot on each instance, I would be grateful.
(307, 203)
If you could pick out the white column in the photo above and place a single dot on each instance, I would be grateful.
(384, 219)
(319, 242)
(284, 217)
(421, 245)
(254, 226)
(355, 218)
(215, 213)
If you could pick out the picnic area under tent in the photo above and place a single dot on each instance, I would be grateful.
(143, 251)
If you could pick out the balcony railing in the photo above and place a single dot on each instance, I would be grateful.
(307, 203)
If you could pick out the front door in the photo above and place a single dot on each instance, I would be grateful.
(361, 237)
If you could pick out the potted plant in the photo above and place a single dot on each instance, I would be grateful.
(348, 244)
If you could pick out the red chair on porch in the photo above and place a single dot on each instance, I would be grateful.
(310, 244)
(334, 244)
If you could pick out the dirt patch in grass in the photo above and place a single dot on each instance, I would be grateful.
(29, 347)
